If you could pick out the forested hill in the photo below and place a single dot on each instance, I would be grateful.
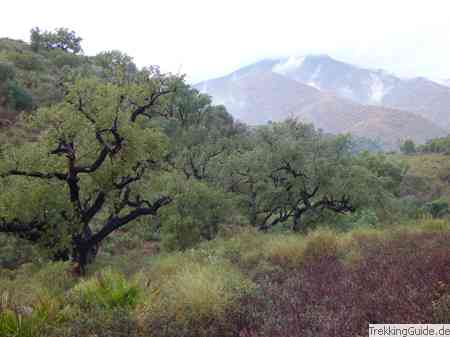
(33, 74)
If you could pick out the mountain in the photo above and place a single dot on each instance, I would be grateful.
(445, 82)
(257, 97)
(345, 80)
(429, 99)
(335, 96)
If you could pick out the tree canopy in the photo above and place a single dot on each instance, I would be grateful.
(60, 38)
(90, 170)
(291, 169)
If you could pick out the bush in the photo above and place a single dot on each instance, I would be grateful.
(360, 219)
(437, 208)
(400, 276)
(193, 216)
(14, 251)
(26, 60)
(7, 71)
(243, 249)
(60, 59)
(106, 290)
(408, 147)
(18, 98)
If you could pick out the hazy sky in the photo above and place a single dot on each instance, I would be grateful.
(206, 39)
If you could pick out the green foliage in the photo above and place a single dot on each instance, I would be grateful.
(18, 98)
(360, 219)
(437, 208)
(12, 95)
(14, 251)
(115, 66)
(290, 171)
(408, 147)
(389, 170)
(25, 60)
(107, 290)
(107, 148)
(14, 324)
(194, 215)
(437, 145)
(7, 71)
(60, 38)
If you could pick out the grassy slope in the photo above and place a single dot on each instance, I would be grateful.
(246, 284)
(434, 170)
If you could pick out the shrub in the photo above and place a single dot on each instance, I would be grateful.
(18, 98)
(400, 276)
(106, 290)
(244, 249)
(437, 208)
(7, 71)
(61, 59)
(408, 147)
(193, 216)
(26, 60)
(14, 251)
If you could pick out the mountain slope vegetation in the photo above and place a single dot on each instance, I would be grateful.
(132, 205)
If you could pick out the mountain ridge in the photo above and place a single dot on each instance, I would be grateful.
(335, 96)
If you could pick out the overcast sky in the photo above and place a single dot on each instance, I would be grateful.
(210, 38)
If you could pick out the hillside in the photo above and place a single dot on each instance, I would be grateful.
(428, 176)
(34, 78)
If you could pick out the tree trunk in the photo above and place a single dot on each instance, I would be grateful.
(84, 254)
(297, 223)
(253, 212)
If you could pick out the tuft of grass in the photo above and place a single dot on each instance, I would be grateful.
(321, 244)
(29, 321)
(106, 290)
(243, 249)
(199, 299)
(285, 250)
(434, 225)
